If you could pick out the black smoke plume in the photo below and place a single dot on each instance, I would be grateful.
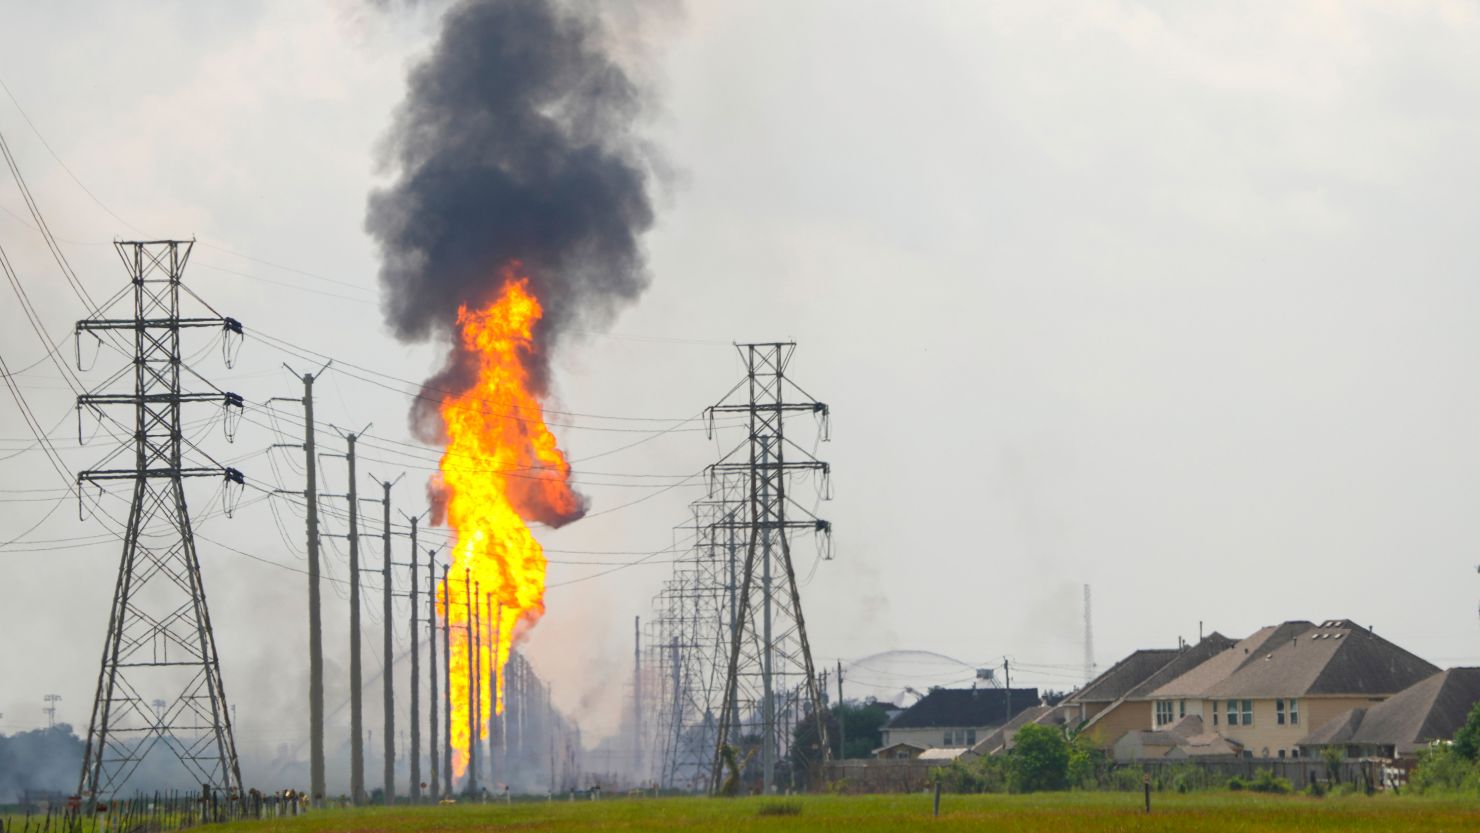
(517, 141)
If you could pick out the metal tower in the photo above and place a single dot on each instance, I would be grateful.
(689, 643)
(770, 679)
(1089, 640)
(159, 630)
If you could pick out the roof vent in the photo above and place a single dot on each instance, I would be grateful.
(1335, 636)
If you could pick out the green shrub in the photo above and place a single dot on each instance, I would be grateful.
(1040, 759)
(1265, 781)
(780, 808)
(1125, 779)
(1237, 784)
(1315, 790)
(1086, 762)
(1441, 768)
(983, 775)
(1184, 778)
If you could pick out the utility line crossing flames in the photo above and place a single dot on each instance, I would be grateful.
(501, 467)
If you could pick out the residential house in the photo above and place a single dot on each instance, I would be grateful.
(1000, 740)
(954, 717)
(1132, 708)
(1113, 683)
(1398, 727)
(1266, 691)
(1184, 739)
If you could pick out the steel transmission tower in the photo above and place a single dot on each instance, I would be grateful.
(159, 629)
(1089, 640)
(688, 646)
(769, 676)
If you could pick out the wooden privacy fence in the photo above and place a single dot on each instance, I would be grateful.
(149, 813)
(872, 775)
(1300, 772)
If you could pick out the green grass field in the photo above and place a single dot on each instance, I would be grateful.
(1211, 811)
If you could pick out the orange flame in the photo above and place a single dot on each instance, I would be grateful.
(501, 467)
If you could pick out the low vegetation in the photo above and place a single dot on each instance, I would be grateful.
(1213, 812)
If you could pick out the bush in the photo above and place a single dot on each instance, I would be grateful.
(1441, 768)
(1315, 790)
(983, 775)
(780, 808)
(1265, 781)
(1237, 784)
(1086, 762)
(1125, 779)
(1040, 759)
(1184, 778)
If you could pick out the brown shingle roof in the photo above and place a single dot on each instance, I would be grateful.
(1431, 709)
(965, 707)
(1123, 676)
(1217, 668)
(1336, 657)
(1185, 660)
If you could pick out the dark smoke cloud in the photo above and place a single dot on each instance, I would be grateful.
(516, 141)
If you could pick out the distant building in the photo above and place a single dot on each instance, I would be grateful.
(1120, 700)
(955, 717)
(1398, 727)
(1258, 697)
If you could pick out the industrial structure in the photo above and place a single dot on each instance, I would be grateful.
(728, 670)
(159, 629)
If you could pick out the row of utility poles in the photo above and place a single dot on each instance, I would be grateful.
(441, 765)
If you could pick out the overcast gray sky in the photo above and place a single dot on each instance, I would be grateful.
(1172, 299)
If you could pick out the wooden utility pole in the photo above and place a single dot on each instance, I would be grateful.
(1007, 680)
(842, 720)
(472, 687)
(316, 778)
(356, 708)
(637, 694)
(447, 684)
(432, 701)
(415, 756)
(388, 677)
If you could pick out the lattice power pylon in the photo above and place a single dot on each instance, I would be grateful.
(689, 643)
(770, 680)
(160, 641)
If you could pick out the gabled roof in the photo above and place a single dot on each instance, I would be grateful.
(1186, 659)
(965, 707)
(1335, 657)
(1432, 709)
(1123, 676)
(1001, 737)
(1196, 681)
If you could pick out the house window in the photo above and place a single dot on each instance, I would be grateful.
(971, 737)
(1181, 708)
(950, 738)
(1282, 753)
(1163, 712)
(1248, 719)
(1215, 712)
(1232, 712)
(1294, 712)
(1279, 712)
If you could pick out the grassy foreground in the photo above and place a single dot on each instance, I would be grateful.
(1212, 811)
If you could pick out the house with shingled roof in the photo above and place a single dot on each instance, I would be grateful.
(1264, 692)
(1430, 710)
(954, 717)
(1132, 708)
